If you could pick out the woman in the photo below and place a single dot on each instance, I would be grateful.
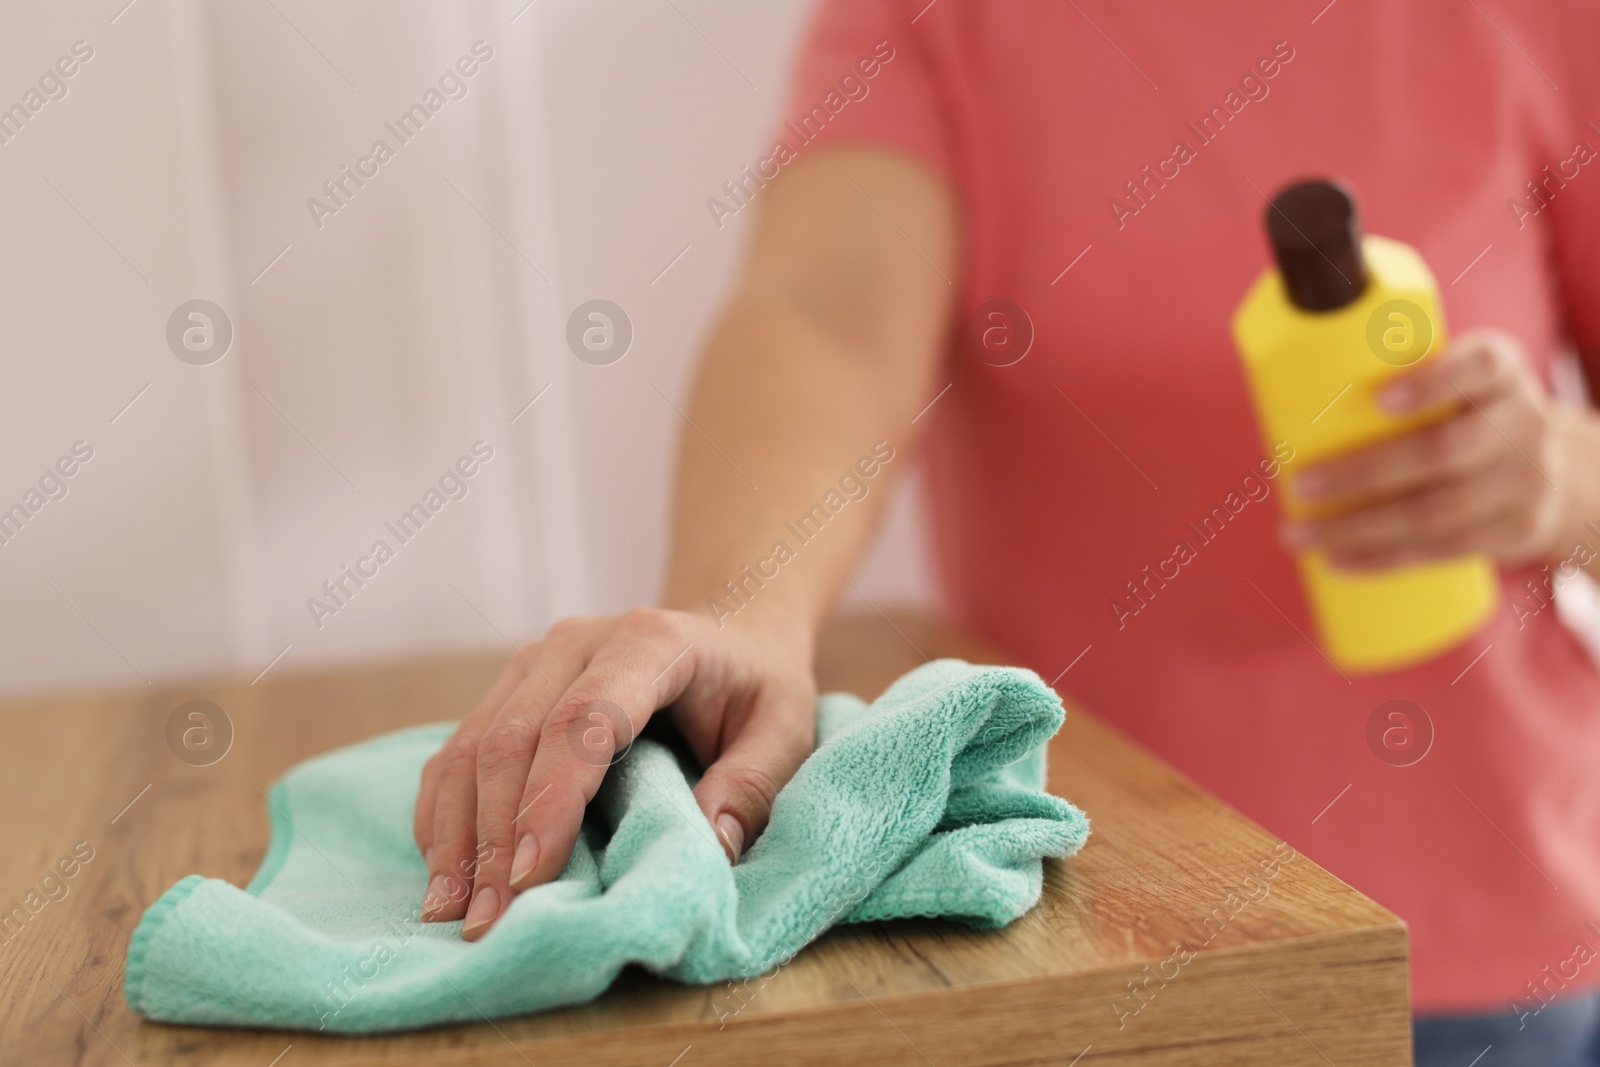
(1012, 234)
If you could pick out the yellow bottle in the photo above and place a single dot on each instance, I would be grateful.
(1318, 335)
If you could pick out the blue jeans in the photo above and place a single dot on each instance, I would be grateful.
(1563, 1034)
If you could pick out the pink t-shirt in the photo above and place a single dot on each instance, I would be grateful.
(1111, 164)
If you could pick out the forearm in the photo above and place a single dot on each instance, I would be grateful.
(798, 432)
(801, 413)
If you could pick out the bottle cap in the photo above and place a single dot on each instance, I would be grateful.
(1316, 237)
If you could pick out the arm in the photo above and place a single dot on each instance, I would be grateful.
(827, 347)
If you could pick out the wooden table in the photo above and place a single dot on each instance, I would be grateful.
(1297, 968)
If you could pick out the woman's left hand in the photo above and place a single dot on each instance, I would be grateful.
(1488, 478)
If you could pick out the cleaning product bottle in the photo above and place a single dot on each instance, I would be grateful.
(1319, 335)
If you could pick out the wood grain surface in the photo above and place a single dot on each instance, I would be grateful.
(1164, 941)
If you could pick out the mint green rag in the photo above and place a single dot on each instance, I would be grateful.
(930, 802)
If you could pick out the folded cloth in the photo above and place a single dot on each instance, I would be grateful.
(930, 802)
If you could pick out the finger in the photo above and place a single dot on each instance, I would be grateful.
(1498, 531)
(1420, 521)
(1480, 366)
(737, 790)
(1451, 450)
(504, 749)
(1505, 538)
(422, 811)
(505, 754)
(482, 712)
(449, 873)
(452, 864)
(645, 664)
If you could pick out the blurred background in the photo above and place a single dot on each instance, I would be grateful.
(375, 339)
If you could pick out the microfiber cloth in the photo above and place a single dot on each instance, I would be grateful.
(929, 802)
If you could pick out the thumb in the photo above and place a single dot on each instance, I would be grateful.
(737, 790)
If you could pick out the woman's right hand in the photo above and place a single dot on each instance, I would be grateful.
(831, 342)
(501, 801)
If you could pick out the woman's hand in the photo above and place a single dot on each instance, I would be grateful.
(832, 341)
(502, 800)
(1491, 477)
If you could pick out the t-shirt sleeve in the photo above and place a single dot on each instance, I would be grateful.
(865, 74)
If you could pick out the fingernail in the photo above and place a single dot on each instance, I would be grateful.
(526, 856)
(485, 908)
(732, 835)
(434, 898)
(1297, 535)
(1311, 483)
(1397, 397)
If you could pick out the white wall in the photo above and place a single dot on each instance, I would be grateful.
(418, 319)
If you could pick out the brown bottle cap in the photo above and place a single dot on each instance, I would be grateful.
(1316, 237)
